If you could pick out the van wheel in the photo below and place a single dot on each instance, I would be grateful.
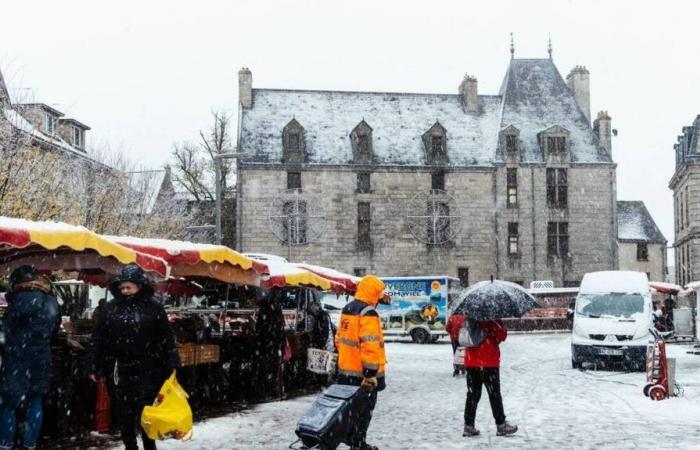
(434, 339)
(420, 336)
(576, 364)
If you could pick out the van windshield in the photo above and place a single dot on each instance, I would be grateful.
(625, 306)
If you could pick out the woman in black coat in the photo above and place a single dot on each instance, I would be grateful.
(133, 345)
(31, 320)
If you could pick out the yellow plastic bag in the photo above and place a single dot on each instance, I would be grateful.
(170, 416)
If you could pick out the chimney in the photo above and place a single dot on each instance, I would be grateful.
(245, 87)
(468, 88)
(602, 127)
(578, 82)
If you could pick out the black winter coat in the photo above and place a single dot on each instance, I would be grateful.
(31, 320)
(134, 335)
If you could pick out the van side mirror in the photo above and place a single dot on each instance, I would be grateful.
(570, 315)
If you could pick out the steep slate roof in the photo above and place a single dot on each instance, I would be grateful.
(533, 98)
(536, 98)
(635, 224)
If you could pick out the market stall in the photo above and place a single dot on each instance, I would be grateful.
(67, 250)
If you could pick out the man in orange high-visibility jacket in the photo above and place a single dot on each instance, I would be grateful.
(361, 357)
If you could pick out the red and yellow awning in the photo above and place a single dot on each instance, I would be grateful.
(59, 246)
(189, 259)
(283, 274)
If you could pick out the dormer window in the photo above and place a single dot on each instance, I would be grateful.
(48, 123)
(556, 144)
(435, 142)
(509, 140)
(77, 137)
(293, 140)
(554, 140)
(294, 149)
(511, 143)
(361, 139)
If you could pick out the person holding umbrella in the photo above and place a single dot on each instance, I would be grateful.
(484, 304)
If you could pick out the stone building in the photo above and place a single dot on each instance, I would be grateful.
(642, 246)
(42, 126)
(517, 185)
(685, 185)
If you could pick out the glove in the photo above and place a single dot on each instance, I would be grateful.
(369, 384)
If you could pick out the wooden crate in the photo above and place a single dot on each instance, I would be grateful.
(207, 354)
(188, 354)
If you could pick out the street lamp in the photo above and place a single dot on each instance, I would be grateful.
(217, 170)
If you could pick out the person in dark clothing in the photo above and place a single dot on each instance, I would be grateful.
(133, 345)
(99, 310)
(31, 320)
(669, 304)
(482, 364)
(322, 332)
(270, 341)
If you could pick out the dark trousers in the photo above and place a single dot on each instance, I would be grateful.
(455, 344)
(130, 409)
(364, 417)
(490, 377)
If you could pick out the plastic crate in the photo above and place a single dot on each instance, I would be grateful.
(187, 354)
(207, 354)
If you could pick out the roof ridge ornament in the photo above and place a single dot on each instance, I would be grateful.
(549, 45)
(512, 46)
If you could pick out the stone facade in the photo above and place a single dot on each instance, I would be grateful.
(641, 243)
(653, 266)
(685, 185)
(482, 138)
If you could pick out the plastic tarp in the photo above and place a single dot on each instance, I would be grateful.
(283, 274)
(60, 246)
(347, 283)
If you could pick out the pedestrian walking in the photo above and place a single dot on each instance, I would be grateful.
(361, 357)
(134, 347)
(454, 324)
(31, 320)
(482, 361)
(270, 343)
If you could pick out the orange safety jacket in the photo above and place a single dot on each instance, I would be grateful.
(360, 341)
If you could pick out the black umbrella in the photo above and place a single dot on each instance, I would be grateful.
(495, 299)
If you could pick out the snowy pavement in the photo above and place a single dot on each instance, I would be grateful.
(554, 405)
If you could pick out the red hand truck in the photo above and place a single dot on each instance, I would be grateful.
(657, 387)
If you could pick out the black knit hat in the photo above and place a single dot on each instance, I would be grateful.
(22, 274)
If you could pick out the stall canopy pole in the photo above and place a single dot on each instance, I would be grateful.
(228, 289)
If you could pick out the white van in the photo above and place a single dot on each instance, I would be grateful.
(612, 318)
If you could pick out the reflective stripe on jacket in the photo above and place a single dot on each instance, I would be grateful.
(360, 341)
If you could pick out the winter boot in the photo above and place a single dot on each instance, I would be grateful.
(505, 429)
(364, 446)
(470, 430)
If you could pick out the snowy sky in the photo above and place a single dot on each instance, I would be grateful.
(146, 74)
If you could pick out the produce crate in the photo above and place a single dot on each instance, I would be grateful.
(207, 354)
(187, 354)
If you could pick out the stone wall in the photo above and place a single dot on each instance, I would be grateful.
(654, 266)
(395, 251)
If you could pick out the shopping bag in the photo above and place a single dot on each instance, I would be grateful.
(170, 416)
(471, 334)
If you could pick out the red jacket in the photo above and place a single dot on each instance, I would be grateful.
(487, 354)
(454, 323)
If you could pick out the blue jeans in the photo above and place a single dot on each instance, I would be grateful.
(32, 422)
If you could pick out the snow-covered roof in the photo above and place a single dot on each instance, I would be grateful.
(536, 97)
(22, 124)
(533, 98)
(635, 224)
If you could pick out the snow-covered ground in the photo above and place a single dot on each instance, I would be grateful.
(554, 405)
